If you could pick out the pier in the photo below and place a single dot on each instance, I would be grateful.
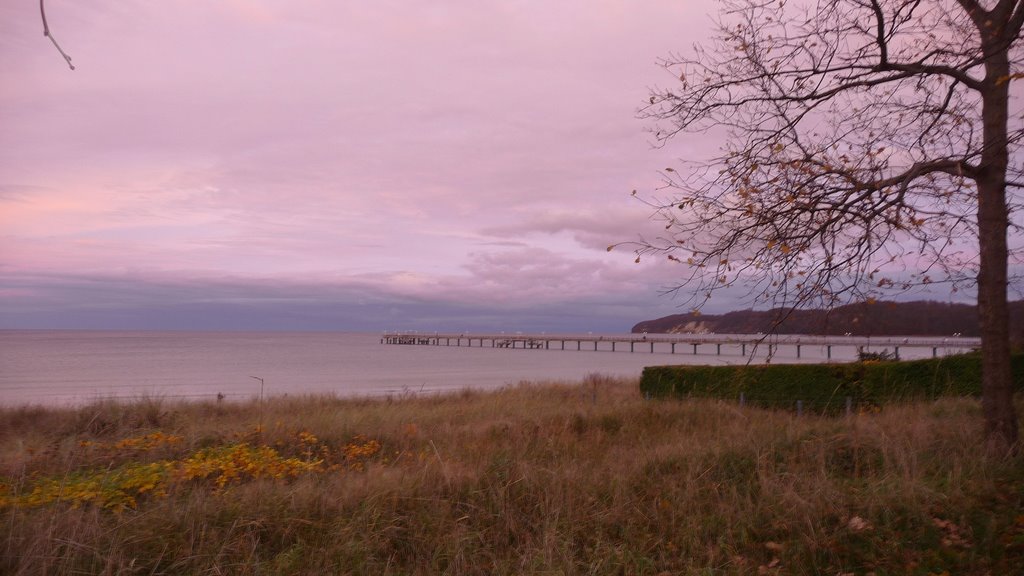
(695, 344)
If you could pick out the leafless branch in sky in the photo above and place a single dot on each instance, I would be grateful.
(46, 32)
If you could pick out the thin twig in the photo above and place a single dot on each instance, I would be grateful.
(46, 32)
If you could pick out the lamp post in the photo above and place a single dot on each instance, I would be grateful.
(259, 410)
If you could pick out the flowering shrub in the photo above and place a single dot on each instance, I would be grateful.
(360, 450)
(139, 444)
(233, 464)
(119, 487)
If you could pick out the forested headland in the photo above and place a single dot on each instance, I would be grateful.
(882, 318)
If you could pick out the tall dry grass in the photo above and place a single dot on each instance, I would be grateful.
(555, 479)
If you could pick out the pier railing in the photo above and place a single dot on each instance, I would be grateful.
(694, 343)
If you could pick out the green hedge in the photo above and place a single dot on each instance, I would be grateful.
(825, 387)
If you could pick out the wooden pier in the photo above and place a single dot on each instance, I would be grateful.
(687, 343)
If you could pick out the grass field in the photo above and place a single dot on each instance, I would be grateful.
(586, 478)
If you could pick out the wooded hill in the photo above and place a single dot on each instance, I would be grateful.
(883, 318)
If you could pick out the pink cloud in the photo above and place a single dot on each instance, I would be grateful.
(409, 146)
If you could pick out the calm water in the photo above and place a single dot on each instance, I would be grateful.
(67, 367)
(62, 367)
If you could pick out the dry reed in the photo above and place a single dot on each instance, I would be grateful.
(533, 479)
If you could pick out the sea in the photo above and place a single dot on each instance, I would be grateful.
(71, 367)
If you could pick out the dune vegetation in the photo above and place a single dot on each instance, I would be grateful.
(586, 478)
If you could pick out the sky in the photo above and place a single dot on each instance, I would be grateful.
(335, 165)
(331, 165)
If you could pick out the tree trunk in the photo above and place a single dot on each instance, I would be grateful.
(997, 382)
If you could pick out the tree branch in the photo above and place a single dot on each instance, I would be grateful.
(956, 168)
(1016, 20)
(918, 68)
(880, 40)
(974, 10)
(46, 32)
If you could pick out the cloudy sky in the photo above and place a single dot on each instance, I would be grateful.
(335, 165)
(332, 164)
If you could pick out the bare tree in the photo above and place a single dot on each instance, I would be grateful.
(869, 147)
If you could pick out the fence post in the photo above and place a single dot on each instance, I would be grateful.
(743, 399)
(849, 406)
(799, 407)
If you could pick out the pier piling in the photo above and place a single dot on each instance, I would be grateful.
(779, 344)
